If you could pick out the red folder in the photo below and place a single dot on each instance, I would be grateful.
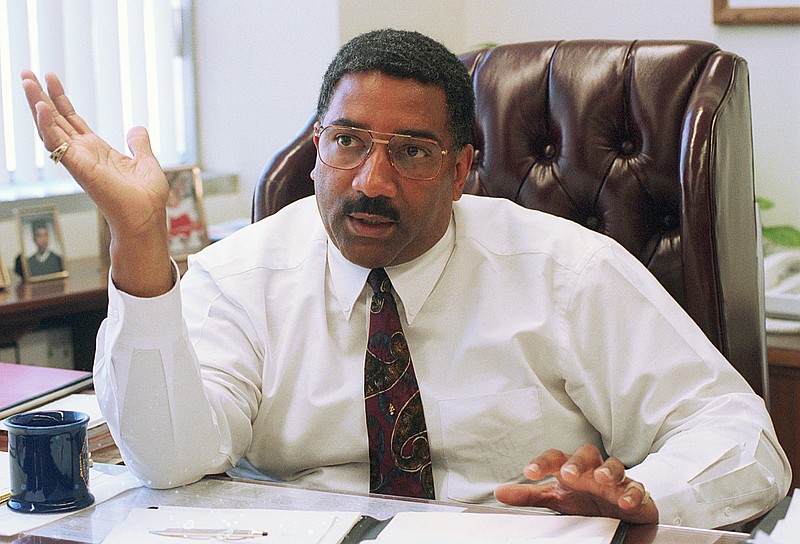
(23, 387)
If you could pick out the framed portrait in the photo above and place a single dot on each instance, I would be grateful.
(756, 12)
(42, 255)
(187, 229)
(5, 277)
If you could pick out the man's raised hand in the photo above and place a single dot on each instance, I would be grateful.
(131, 192)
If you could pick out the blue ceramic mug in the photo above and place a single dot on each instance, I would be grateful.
(49, 461)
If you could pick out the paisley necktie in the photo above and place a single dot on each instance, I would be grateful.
(399, 456)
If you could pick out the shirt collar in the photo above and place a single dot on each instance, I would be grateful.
(42, 257)
(412, 281)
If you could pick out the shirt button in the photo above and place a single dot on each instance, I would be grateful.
(677, 521)
(727, 511)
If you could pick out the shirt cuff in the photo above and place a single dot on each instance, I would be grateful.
(672, 497)
(150, 323)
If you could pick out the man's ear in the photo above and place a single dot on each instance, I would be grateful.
(315, 139)
(462, 168)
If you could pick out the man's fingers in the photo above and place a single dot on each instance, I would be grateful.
(53, 128)
(549, 463)
(611, 472)
(33, 90)
(519, 494)
(634, 496)
(73, 124)
(49, 131)
(35, 95)
(139, 143)
(583, 461)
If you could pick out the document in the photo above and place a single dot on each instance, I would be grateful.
(280, 526)
(5, 478)
(170, 524)
(785, 529)
(77, 402)
(456, 528)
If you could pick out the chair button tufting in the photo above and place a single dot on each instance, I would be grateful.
(592, 222)
(627, 148)
(549, 152)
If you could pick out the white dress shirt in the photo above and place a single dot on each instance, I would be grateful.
(527, 332)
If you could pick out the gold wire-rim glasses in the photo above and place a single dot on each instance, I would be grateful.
(390, 137)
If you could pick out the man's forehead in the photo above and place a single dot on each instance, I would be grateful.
(401, 105)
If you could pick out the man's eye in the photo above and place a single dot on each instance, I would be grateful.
(416, 152)
(345, 140)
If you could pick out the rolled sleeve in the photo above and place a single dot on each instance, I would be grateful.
(149, 388)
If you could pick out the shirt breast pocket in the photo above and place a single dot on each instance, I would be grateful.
(488, 440)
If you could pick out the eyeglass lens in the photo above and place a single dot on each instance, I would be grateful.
(346, 148)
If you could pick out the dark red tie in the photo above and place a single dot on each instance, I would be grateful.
(399, 456)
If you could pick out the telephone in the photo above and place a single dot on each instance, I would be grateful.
(782, 284)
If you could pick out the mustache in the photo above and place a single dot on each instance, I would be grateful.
(372, 206)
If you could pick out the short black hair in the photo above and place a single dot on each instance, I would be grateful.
(38, 224)
(406, 54)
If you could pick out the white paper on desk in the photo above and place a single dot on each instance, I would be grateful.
(5, 474)
(103, 486)
(452, 528)
(786, 529)
(282, 526)
(78, 402)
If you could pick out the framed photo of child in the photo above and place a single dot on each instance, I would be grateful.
(186, 219)
(42, 255)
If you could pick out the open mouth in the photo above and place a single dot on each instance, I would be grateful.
(372, 226)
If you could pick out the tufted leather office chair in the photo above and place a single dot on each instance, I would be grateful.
(648, 142)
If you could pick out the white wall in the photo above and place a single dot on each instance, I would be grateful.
(259, 68)
(443, 20)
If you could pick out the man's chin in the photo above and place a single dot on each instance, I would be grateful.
(369, 255)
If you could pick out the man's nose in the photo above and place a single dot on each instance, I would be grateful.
(376, 177)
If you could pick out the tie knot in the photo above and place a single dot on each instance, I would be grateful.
(379, 281)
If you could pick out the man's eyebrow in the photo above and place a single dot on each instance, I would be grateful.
(428, 135)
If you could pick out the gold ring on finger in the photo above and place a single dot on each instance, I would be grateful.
(58, 153)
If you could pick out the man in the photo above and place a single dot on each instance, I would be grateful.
(261, 354)
(44, 261)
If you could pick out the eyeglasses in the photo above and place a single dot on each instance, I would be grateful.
(345, 148)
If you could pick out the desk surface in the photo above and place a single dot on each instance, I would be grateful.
(78, 301)
(93, 524)
(84, 288)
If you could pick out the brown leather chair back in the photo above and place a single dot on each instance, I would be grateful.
(648, 142)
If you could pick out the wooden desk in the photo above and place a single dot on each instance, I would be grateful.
(79, 302)
(94, 523)
(784, 382)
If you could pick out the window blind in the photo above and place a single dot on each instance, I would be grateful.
(123, 63)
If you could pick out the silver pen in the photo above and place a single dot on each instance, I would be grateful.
(218, 534)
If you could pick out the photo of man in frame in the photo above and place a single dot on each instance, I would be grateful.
(5, 278)
(42, 254)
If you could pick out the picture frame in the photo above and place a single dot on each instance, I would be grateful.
(42, 253)
(187, 229)
(756, 12)
(103, 241)
(5, 276)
